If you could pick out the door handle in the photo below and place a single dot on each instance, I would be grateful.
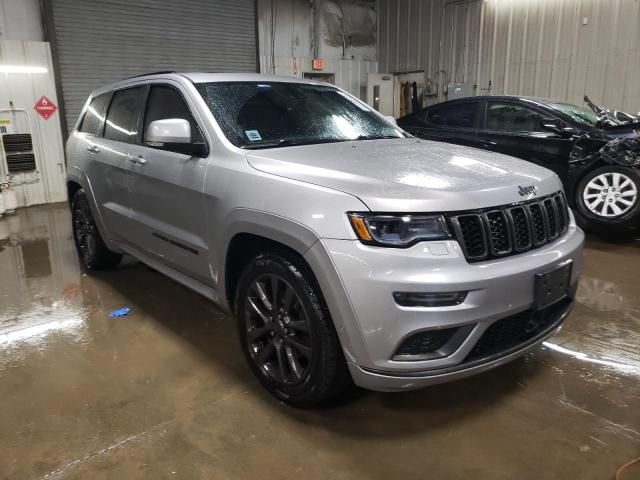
(139, 159)
(93, 149)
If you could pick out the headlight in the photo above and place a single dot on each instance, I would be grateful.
(398, 230)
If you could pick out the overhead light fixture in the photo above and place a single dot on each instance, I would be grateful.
(22, 69)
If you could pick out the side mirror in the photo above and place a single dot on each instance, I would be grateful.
(170, 130)
(391, 119)
(173, 134)
(553, 125)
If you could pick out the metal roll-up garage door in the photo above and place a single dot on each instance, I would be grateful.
(97, 42)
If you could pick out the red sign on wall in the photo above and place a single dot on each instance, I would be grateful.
(45, 108)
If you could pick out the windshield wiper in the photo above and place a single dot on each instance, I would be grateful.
(375, 137)
(281, 142)
(289, 142)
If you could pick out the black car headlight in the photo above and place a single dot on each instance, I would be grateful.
(399, 231)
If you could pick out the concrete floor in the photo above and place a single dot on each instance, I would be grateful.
(165, 393)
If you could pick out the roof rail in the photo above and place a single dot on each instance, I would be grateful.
(151, 73)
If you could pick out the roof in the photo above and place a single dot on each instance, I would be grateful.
(201, 77)
(540, 100)
(198, 77)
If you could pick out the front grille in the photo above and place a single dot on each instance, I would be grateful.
(516, 331)
(510, 229)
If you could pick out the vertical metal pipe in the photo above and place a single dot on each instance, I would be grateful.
(493, 44)
(523, 50)
(507, 55)
(480, 46)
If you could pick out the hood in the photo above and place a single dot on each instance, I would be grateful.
(626, 130)
(410, 175)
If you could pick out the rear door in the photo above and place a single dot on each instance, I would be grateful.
(106, 165)
(120, 131)
(168, 204)
(516, 129)
(455, 122)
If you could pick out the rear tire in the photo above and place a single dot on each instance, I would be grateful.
(92, 250)
(287, 334)
(609, 197)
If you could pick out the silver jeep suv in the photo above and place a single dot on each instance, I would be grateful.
(348, 251)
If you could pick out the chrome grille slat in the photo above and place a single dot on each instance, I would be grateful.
(510, 229)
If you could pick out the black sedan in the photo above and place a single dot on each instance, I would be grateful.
(596, 155)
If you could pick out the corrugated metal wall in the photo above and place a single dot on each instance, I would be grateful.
(302, 29)
(20, 20)
(561, 49)
(100, 41)
(351, 75)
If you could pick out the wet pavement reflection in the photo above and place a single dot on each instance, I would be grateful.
(164, 392)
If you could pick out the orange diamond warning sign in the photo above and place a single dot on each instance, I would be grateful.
(45, 108)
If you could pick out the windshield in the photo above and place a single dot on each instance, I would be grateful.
(272, 114)
(580, 114)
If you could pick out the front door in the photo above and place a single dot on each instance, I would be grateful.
(516, 130)
(168, 204)
(451, 122)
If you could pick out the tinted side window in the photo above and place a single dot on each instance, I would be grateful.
(122, 117)
(511, 117)
(166, 102)
(94, 116)
(461, 115)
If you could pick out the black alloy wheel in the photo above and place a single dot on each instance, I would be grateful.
(278, 330)
(84, 229)
(287, 333)
(92, 250)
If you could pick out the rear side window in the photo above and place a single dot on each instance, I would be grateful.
(460, 115)
(94, 116)
(510, 117)
(122, 118)
(166, 102)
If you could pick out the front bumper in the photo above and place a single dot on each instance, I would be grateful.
(386, 382)
(371, 325)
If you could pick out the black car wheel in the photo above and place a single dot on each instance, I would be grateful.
(287, 333)
(94, 254)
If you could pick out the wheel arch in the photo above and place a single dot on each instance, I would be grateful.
(72, 187)
(252, 232)
(81, 181)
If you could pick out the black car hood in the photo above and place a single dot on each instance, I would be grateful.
(626, 130)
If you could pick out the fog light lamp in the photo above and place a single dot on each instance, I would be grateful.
(429, 299)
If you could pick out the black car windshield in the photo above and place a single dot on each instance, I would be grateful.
(579, 114)
(278, 114)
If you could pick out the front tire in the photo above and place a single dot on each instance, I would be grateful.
(287, 334)
(610, 197)
(92, 250)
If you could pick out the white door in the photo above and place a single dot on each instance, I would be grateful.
(380, 92)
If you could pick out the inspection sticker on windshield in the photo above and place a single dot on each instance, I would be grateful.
(253, 135)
